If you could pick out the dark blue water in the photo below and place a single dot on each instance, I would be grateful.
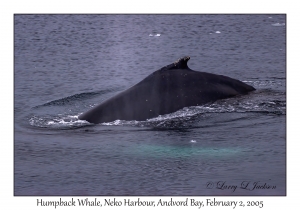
(66, 64)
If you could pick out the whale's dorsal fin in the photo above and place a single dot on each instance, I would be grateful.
(181, 63)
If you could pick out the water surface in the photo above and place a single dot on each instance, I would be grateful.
(66, 64)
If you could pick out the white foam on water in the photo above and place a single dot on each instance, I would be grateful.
(156, 35)
(278, 24)
(57, 122)
(116, 122)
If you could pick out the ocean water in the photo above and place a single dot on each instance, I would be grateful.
(66, 64)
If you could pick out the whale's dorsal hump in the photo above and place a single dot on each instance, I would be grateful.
(181, 63)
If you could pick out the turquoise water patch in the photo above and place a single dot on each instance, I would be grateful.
(183, 151)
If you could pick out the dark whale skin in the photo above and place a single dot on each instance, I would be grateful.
(167, 90)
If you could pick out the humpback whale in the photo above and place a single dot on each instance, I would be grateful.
(166, 90)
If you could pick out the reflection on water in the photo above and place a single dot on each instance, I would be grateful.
(181, 151)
